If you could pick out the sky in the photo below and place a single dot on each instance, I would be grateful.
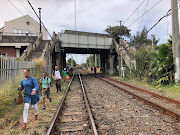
(93, 15)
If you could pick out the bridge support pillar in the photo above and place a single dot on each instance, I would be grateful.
(111, 64)
(49, 65)
(63, 62)
(102, 69)
(107, 65)
(58, 59)
(99, 59)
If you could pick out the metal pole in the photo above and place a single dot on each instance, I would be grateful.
(99, 62)
(95, 60)
(152, 40)
(40, 18)
(175, 38)
(121, 65)
(120, 30)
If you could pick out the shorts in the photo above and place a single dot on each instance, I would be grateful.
(47, 92)
(31, 98)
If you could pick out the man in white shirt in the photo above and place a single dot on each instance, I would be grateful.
(56, 74)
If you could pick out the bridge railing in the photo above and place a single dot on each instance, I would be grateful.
(121, 51)
(49, 46)
(46, 55)
(127, 47)
(31, 47)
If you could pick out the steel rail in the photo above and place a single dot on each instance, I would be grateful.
(93, 126)
(50, 131)
(165, 110)
(145, 91)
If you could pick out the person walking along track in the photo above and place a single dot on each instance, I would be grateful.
(31, 87)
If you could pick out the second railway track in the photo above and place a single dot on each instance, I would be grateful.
(167, 105)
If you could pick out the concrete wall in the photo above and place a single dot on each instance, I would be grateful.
(85, 41)
(16, 45)
(17, 39)
(21, 24)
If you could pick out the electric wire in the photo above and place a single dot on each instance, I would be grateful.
(167, 14)
(21, 13)
(133, 12)
(143, 15)
(39, 18)
(29, 10)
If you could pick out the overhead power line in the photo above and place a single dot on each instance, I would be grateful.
(163, 34)
(39, 18)
(133, 12)
(167, 14)
(145, 13)
(31, 14)
(21, 13)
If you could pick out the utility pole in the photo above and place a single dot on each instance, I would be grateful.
(152, 39)
(120, 30)
(40, 18)
(120, 60)
(175, 38)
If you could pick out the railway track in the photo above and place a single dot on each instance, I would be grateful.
(166, 105)
(73, 116)
(106, 110)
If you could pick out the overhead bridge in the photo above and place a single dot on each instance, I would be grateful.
(55, 50)
(76, 39)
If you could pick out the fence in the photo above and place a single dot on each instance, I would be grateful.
(12, 69)
(36, 34)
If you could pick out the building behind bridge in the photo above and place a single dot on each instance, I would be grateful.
(17, 34)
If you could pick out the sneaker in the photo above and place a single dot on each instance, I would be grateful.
(23, 126)
(44, 108)
(50, 99)
(36, 116)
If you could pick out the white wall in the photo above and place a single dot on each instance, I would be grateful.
(21, 24)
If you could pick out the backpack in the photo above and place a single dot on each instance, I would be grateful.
(49, 83)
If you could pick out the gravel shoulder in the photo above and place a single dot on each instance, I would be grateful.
(125, 114)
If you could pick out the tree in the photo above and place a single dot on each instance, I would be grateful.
(92, 58)
(161, 68)
(114, 31)
(142, 63)
(141, 39)
(69, 62)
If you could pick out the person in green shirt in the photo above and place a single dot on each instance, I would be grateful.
(45, 82)
(64, 72)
